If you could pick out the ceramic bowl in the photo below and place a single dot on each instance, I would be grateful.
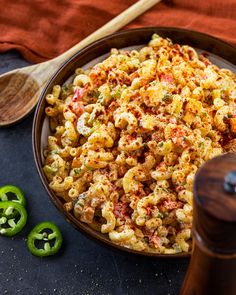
(219, 52)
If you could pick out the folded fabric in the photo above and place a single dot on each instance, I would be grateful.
(41, 30)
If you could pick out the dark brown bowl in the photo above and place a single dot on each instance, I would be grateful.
(122, 39)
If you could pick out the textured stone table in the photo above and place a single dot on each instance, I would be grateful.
(83, 267)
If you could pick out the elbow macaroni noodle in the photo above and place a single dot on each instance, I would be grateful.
(128, 137)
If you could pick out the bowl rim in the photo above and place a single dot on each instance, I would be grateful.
(36, 138)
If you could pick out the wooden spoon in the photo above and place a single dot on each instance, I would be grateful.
(20, 88)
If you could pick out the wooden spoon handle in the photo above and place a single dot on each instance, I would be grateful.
(112, 26)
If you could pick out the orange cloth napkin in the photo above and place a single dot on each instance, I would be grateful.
(43, 29)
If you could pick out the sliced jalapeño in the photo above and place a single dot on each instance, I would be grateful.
(13, 190)
(49, 235)
(13, 217)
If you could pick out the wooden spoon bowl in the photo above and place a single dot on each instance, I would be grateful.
(20, 90)
(18, 95)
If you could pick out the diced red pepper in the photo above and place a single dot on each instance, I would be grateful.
(79, 94)
(167, 78)
(179, 141)
(155, 241)
(178, 136)
(149, 210)
(77, 108)
(121, 210)
(206, 62)
(76, 105)
(170, 205)
(173, 120)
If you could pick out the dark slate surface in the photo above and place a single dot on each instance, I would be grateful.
(82, 267)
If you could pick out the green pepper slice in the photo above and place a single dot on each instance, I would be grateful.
(16, 191)
(52, 241)
(13, 218)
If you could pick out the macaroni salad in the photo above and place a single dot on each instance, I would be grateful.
(128, 137)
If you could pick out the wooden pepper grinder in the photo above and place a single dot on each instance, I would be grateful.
(212, 269)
